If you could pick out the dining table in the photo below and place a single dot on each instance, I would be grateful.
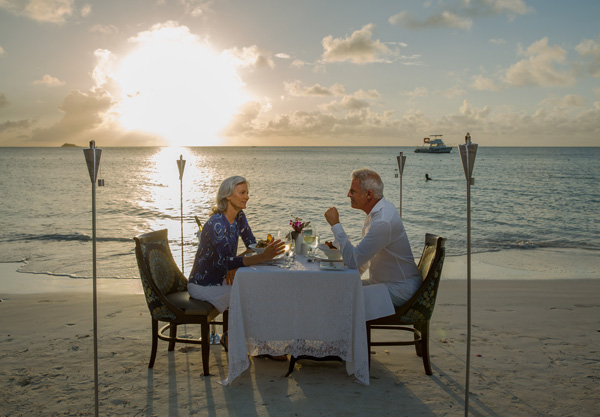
(312, 308)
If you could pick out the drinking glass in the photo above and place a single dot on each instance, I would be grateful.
(309, 234)
(288, 255)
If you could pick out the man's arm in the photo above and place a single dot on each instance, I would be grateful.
(376, 239)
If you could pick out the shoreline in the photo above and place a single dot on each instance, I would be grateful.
(511, 264)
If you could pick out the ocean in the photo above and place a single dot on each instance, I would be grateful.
(522, 198)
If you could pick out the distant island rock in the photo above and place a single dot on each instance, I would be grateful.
(69, 145)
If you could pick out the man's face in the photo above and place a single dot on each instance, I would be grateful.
(358, 199)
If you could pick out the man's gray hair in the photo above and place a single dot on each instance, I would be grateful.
(226, 190)
(369, 180)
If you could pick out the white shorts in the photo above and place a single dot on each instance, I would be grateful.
(217, 295)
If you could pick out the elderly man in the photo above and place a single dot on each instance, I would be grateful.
(384, 249)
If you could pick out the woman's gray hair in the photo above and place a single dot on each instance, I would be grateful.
(369, 180)
(226, 190)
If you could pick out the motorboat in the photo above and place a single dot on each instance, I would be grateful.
(433, 145)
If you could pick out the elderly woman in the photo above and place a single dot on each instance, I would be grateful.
(216, 259)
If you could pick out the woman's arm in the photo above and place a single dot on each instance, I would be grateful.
(274, 248)
(245, 230)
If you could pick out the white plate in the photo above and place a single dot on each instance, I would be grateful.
(255, 249)
(330, 253)
(332, 266)
(278, 257)
(326, 259)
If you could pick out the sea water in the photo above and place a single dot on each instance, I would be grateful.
(524, 198)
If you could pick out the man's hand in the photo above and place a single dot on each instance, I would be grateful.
(332, 216)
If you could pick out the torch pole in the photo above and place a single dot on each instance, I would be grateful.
(92, 158)
(468, 370)
(401, 161)
(181, 167)
(468, 151)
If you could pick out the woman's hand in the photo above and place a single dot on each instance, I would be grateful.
(277, 247)
(273, 249)
(230, 275)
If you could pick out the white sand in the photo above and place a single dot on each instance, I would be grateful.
(535, 352)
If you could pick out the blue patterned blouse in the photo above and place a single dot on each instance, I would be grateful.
(218, 248)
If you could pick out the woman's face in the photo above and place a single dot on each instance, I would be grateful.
(239, 198)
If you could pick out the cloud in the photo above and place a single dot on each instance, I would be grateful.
(82, 112)
(539, 66)
(48, 11)
(2, 51)
(482, 83)
(251, 56)
(417, 92)
(3, 101)
(85, 117)
(462, 15)
(282, 55)
(310, 126)
(298, 63)
(49, 81)
(497, 41)
(509, 7)
(477, 114)
(296, 89)
(197, 8)
(444, 19)
(18, 125)
(358, 48)
(569, 101)
(548, 124)
(590, 48)
(356, 101)
(86, 10)
(104, 29)
(451, 92)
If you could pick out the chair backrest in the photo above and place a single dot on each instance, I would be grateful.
(159, 273)
(420, 306)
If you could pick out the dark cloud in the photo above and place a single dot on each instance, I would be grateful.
(15, 125)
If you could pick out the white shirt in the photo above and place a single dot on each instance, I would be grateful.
(384, 250)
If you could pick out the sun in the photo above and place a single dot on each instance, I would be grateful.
(173, 84)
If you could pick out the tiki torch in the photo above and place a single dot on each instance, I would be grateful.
(181, 167)
(468, 151)
(92, 158)
(401, 160)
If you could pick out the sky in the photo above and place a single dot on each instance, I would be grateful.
(299, 73)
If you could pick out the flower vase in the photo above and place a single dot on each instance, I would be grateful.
(298, 242)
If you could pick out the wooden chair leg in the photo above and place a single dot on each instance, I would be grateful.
(425, 348)
(225, 321)
(204, 332)
(419, 345)
(172, 334)
(369, 343)
(154, 343)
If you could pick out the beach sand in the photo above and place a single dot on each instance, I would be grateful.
(535, 352)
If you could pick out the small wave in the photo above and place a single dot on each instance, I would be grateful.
(66, 237)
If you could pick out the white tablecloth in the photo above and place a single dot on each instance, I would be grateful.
(298, 311)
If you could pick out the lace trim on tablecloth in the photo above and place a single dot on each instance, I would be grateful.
(298, 347)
